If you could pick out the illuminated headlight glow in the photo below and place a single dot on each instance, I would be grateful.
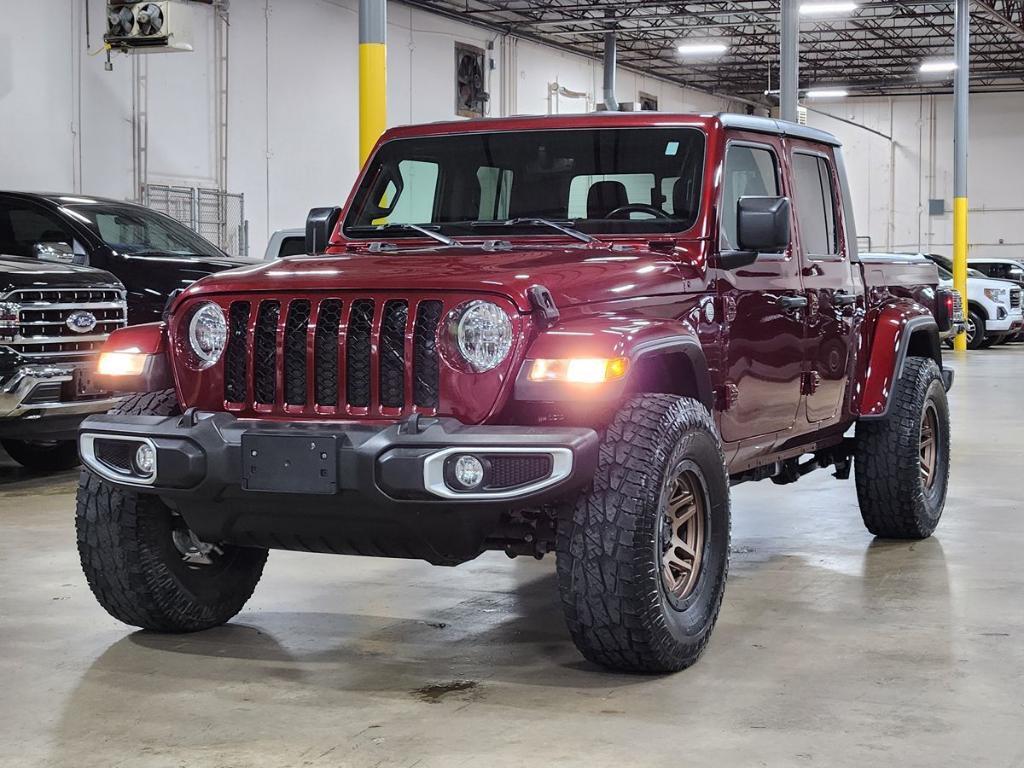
(580, 370)
(124, 363)
(207, 334)
(483, 333)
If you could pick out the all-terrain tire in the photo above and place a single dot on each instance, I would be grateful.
(897, 500)
(135, 570)
(43, 455)
(618, 608)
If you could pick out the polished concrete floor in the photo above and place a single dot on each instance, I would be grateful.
(832, 649)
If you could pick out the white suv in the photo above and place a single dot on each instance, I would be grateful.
(993, 306)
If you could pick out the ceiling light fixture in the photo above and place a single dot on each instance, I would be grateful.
(701, 49)
(827, 93)
(938, 66)
(822, 9)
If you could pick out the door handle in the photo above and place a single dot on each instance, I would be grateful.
(792, 303)
(844, 299)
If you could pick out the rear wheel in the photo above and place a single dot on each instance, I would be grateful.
(43, 455)
(902, 459)
(643, 556)
(143, 563)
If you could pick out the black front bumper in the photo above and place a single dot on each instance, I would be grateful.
(351, 488)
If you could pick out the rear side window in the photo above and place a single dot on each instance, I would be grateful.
(815, 205)
(749, 172)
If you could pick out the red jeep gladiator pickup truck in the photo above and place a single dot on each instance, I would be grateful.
(565, 334)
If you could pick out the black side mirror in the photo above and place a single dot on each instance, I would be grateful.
(762, 224)
(319, 225)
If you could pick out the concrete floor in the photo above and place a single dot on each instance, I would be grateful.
(832, 649)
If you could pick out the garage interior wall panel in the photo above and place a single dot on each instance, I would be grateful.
(67, 124)
(922, 169)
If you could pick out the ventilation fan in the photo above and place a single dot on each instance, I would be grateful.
(150, 18)
(120, 21)
(149, 27)
(470, 96)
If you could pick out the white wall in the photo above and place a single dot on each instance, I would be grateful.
(66, 124)
(891, 186)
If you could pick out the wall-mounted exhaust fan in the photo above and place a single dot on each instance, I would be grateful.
(149, 27)
(470, 81)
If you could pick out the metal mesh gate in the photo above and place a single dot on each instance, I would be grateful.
(217, 216)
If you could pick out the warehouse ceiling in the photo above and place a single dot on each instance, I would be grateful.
(875, 49)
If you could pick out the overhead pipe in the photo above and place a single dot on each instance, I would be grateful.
(610, 43)
(789, 60)
(373, 23)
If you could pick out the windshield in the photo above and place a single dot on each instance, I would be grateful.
(607, 180)
(134, 230)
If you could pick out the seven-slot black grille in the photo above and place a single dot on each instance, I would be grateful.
(361, 342)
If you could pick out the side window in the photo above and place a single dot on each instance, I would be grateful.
(415, 204)
(815, 205)
(22, 227)
(749, 171)
(495, 191)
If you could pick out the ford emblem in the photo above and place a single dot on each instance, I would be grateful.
(81, 321)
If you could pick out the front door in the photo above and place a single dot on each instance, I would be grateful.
(828, 279)
(762, 303)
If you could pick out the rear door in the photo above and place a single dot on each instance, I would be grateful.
(761, 302)
(827, 276)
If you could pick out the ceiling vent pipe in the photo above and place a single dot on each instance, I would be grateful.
(610, 103)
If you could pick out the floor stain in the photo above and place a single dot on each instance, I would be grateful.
(432, 694)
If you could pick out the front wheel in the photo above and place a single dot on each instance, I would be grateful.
(975, 331)
(43, 455)
(902, 459)
(143, 563)
(643, 556)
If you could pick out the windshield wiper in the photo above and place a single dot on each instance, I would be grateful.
(561, 227)
(439, 236)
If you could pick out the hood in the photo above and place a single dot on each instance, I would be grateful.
(192, 268)
(573, 275)
(981, 283)
(17, 272)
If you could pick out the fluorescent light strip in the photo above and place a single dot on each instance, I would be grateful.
(821, 9)
(827, 93)
(701, 49)
(938, 66)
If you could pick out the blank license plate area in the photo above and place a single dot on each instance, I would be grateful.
(289, 463)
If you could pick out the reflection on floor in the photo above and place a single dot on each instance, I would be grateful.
(832, 649)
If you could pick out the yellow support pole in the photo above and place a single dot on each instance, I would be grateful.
(372, 96)
(960, 261)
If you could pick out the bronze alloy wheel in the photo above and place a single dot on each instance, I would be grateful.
(929, 447)
(683, 532)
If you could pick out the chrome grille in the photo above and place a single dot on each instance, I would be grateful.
(43, 332)
(333, 353)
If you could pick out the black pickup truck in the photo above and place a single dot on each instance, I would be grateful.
(53, 320)
(152, 254)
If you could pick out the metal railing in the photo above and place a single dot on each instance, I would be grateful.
(217, 216)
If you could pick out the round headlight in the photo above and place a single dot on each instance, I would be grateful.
(207, 334)
(484, 334)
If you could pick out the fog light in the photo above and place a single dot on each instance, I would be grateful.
(145, 459)
(468, 471)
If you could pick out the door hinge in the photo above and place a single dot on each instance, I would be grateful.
(810, 381)
(726, 397)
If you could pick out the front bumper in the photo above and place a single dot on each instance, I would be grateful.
(34, 398)
(339, 487)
